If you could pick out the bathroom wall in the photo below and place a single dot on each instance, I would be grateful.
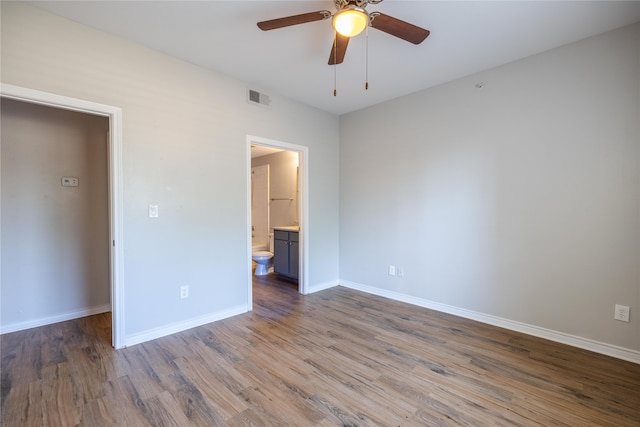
(517, 201)
(283, 171)
(185, 149)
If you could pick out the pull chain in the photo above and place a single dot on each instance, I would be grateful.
(366, 55)
(335, 65)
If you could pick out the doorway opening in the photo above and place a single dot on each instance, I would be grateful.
(114, 192)
(277, 208)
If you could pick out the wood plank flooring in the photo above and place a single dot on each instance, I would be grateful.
(335, 358)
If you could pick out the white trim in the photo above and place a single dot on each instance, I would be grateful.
(322, 286)
(303, 217)
(561, 337)
(183, 325)
(115, 185)
(21, 326)
(248, 228)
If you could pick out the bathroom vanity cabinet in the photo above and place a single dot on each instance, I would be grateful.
(286, 252)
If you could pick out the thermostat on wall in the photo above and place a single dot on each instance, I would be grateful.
(70, 181)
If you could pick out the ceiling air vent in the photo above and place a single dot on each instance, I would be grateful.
(255, 97)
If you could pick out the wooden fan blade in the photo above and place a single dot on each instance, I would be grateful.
(287, 21)
(399, 28)
(338, 49)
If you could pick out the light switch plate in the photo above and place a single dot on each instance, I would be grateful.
(153, 211)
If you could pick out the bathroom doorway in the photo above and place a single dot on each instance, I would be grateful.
(286, 202)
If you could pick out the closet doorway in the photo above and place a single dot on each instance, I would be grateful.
(44, 214)
(287, 209)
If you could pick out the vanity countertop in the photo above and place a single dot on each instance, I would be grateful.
(288, 228)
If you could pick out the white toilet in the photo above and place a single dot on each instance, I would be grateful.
(262, 257)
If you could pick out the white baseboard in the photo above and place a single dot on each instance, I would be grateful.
(322, 286)
(43, 321)
(561, 337)
(183, 326)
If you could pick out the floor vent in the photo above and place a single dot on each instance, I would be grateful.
(255, 97)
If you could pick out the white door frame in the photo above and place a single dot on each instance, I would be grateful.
(115, 186)
(303, 214)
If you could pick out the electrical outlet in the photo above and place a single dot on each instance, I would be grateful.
(622, 313)
(392, 270)
(184, 292)
(399, 272)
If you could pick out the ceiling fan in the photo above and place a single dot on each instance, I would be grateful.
(350, 19)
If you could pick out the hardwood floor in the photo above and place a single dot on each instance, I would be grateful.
(337, 357)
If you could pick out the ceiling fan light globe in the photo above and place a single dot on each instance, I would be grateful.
(350, 22)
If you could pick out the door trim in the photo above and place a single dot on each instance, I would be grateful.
(303, 214)
(115, 186)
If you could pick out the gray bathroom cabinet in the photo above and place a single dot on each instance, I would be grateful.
(286, 253)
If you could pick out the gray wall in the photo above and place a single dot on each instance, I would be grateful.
(55, 240)
(520, 200)
(283, 169)
(185, 149)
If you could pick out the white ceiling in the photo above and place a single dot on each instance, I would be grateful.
(466, 37)
(263, 150)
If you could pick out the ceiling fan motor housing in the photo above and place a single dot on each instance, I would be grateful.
(341, 4)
